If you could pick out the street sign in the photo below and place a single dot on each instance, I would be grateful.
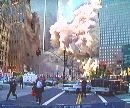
(126, 55)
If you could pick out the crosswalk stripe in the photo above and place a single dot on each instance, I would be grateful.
(126, 100)
(102, 99)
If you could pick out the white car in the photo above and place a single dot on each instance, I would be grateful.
(50, 82)
(73, 86)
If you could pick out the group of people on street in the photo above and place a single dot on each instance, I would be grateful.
(38, 88)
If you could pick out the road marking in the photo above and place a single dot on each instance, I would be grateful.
(49, 101)
(102, 99)
(79, 99)
(125, 99)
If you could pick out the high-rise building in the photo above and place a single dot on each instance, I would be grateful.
(114, 30)
(4, 41)
(47, 10)
(49, 19)
(24, 34)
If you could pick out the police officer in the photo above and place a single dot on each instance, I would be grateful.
(12, 89)
(83, 84)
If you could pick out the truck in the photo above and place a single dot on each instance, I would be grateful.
(110, 86)
(29, 78)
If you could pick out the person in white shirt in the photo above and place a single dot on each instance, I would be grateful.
(39, 87)
(39, 84)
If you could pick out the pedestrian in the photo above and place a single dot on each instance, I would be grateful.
(39, 90)
(43, 82)
(83, 84)
(21, 82)
(12, 89)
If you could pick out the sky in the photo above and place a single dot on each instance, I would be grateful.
(67, 8)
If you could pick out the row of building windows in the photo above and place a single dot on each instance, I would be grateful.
(114, 25)
(114, 41)
(115, 32)
(112, 37)
(110, 47)
(114, 13)
(116, 37)
(119, 27)
(110, 50)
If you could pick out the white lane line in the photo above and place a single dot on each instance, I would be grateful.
(47, 102)
(102, 99)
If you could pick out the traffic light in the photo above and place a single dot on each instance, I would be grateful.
(14, 2)
(38, 52)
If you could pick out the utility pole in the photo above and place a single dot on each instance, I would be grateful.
(64, 67)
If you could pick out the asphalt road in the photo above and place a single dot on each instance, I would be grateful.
(55, 96)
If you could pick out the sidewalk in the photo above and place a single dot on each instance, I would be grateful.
(20, 92)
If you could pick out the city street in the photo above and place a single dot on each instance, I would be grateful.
(55, 96)
(56, 47)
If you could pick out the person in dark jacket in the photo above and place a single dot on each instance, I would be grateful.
(21, 82)
(83, 84)
(12, 89)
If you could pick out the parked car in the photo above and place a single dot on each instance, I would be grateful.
(4, 79)
(74, 86)
(50, 82)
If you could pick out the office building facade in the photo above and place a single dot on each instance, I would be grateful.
(4, 41)
(47, 11)
(50, 18)
(24, 35)
(114, 30)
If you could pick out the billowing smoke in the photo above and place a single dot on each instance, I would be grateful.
(81, 36)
